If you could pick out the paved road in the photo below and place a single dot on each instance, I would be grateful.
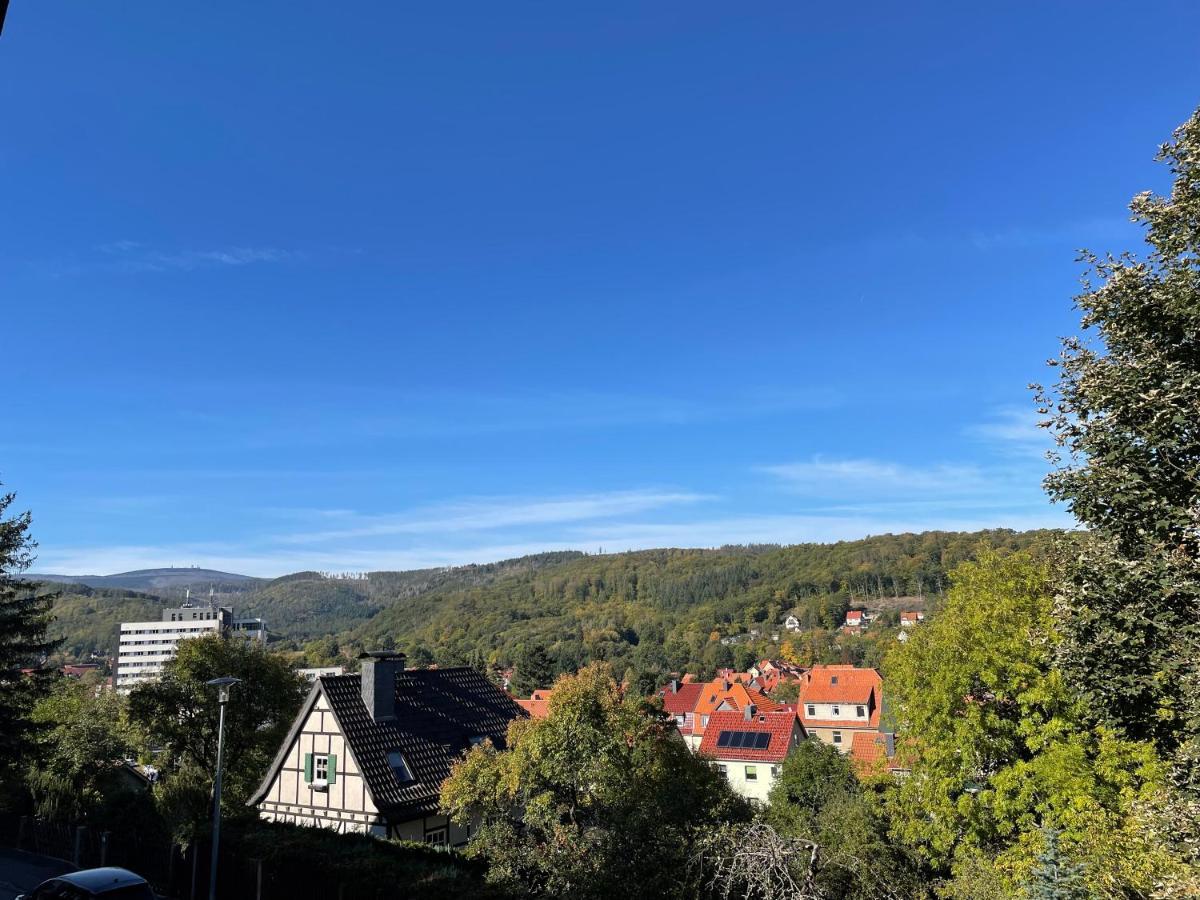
(21, 872)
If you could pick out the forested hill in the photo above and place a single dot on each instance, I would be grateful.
(649, 609)
(653, 610)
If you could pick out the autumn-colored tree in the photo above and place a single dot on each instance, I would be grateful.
(599, 799)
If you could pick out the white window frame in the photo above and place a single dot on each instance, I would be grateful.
(438, 837)
(837, 737)
(752, 773)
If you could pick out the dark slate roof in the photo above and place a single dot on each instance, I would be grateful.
(438, 711)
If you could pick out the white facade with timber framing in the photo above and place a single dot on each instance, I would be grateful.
(368, 753)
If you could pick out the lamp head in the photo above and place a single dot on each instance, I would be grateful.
(223, 685)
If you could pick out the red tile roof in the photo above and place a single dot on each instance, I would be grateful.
(869, 753)
(682, 700)
(780, 725)
(854, 617)
(839, 684)
(538, 704)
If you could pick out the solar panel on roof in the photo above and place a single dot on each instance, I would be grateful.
(723, 740)
(736, 738)
(761, 741)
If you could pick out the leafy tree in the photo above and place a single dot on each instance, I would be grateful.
(533, 669)
(600, 798)
(1056, 877)
(813, 774)
(180, 713)
(24, 618)
(1001, 745)
(819, 800)
(1126, 413)
(84, 737)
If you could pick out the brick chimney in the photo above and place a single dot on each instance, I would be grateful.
(379, 671)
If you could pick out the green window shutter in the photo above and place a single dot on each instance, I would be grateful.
(333, 768)
(308, 768)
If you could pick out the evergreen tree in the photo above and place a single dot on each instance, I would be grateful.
(1126, 413)
(24, 618)
(1056, 877)
(533, 669)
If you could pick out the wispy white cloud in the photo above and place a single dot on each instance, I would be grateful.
(833, 476)
(137, 257)
(493, 513)
(1074, 234)
(1012, 431)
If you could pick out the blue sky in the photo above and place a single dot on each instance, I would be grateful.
(359, 286)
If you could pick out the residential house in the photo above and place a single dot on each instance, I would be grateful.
(874, 753)
(770, 673)
(855, 618)
(791, 623)
(368, 752)
(749, 747)
(723, 695)
(679, 701)
(837, 701)
(909, 618)
(538, 704)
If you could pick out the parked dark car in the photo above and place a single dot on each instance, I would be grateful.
(105, 884)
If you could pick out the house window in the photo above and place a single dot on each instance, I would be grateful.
(837, 710)
(775, 770)
(862, 711)
(837, 737)
(722, 768)
(320, 770)
(812, 710)
(438, 837)
(704, 721)
(752, 773)
(399, 766)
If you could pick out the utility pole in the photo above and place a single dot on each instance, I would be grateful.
(222, 685)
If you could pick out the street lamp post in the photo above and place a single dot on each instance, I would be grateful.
(222, 685)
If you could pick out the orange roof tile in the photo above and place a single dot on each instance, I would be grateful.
(781, 726)
(839, 684)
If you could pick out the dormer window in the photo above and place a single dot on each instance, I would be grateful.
(400, 766)
(833, 679)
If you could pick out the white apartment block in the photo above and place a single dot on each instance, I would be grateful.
(145, 647)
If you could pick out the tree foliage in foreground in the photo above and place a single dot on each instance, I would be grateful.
(180, 713)
(24, 618)
(1003, 748)
(599, 799)
(1126, 413)
(77, 770)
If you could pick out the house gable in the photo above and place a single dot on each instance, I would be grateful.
(287, 794)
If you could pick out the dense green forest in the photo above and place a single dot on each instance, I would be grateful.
(652, 610)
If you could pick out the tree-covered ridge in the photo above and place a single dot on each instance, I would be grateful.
(659, 609)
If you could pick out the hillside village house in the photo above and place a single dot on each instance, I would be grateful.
(837, 701)
(538, 704)
(874, 753)
(369, 752)
(749, 747)
(692, 705)
(910, 618)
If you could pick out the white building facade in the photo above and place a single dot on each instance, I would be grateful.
(144, 648)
